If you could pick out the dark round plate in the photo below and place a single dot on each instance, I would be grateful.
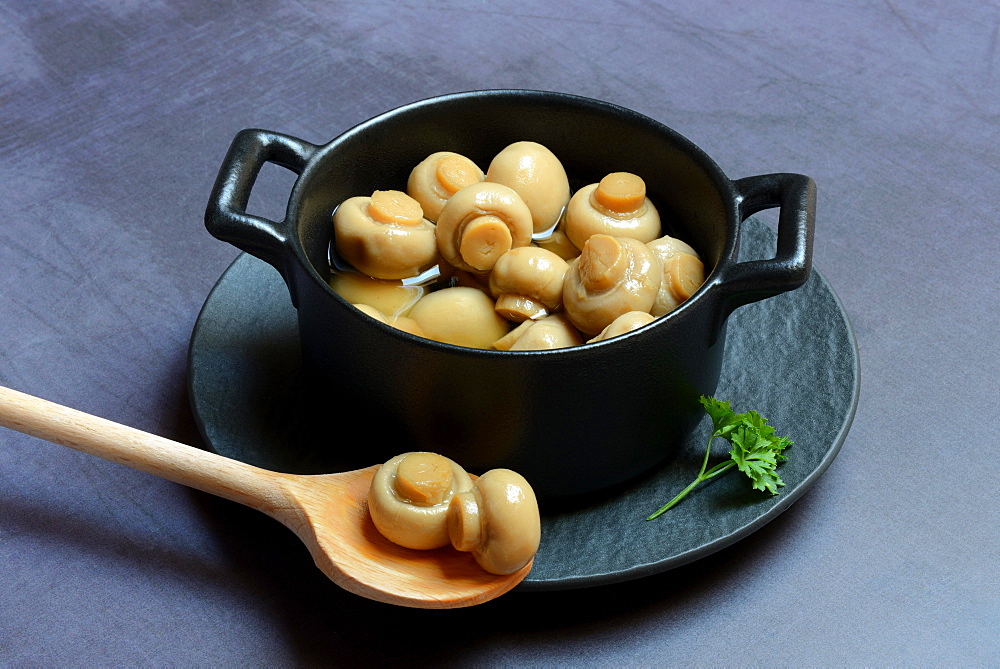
(793, 358)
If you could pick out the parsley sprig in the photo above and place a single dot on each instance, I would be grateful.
(756, 451)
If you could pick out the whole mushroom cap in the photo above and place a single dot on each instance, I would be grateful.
(527, 274)
(498, 521)
(439, 176)
(615, 206)
(612, 276)
(385, 235)
(539, 178)
(480, 223)
(410, 495)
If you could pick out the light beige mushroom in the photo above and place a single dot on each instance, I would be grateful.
(683, 273)
(551, 332)
(558, 243)
(479, 224)
(538, 177)
(527, 282)
(385, 235)
(403, 323)
(624, 324)
(612, 276)
(371, 311)
(497, 521)
(615, 206)
(410, 496)
(439, 176)
(392, 298)
(461, 316)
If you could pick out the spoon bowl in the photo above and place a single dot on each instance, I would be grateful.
(328, 512)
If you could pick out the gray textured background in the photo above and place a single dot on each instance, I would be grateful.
(114, 117)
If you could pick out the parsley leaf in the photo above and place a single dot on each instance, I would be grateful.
(756, 451)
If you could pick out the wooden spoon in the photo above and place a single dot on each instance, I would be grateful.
(328, 512)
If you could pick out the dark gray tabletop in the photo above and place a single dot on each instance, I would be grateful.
(114, 118)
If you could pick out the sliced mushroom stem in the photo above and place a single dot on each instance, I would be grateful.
(424, 478)
(465, 528)
(520, 308)
(603, 264)
(484, 240)
(621, 192)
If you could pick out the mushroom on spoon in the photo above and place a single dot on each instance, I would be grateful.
(328, 512)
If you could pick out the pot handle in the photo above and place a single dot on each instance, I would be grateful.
(755, 280)
(226, 217)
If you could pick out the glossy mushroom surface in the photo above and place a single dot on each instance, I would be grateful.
(527, 283)
(615, 206)
(497, 521)
(439, 176)
(624, 324)
(479, 224)
(538, 176)
(410, 495)
(683, 273)
(385, 235)
(459, 315)
(551, 332)
(612, 276)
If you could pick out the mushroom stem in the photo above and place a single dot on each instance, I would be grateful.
(465, 528)
(621, 193)
(423, 478)
(602, 264)
(484, 240)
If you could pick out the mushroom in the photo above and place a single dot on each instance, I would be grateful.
(480, 223)
(410, 496)
(553, 331)
(392, 298)
(497, 521)
(439, 176)
(683, 273)
(616, 206)
(612, 276)
(385, 235)
(461, 316)
(371, 311)
(538, 177)
(527, 283)
(558, 243)
(624, 324)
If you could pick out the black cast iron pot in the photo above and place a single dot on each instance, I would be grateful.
(572, 420)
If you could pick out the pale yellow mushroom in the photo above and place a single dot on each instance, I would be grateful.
(551, 332)
(683, 273)
(371, 311)
(558, 243)
(392, 298)
(497, 521)
(410, 496)
(439, 176)
(527, 282)
(407, 324)
(403, 323)
(616, 206)
(385, 235)
(461, 316)
(479, 224)
(624, 324)
(538, 177)
(612, 276)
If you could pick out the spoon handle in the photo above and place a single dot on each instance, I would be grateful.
(171, 460)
